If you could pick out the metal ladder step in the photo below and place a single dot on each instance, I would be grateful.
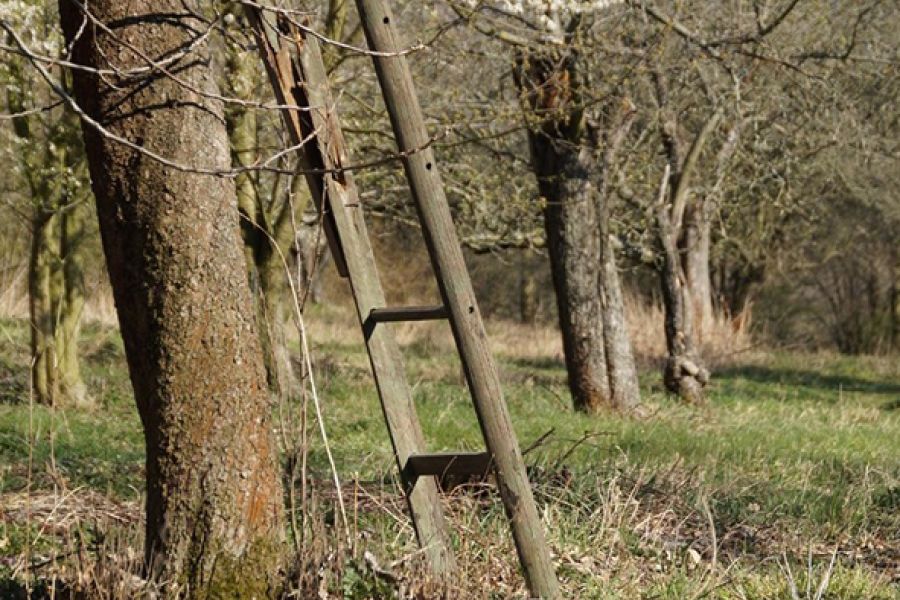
(408, 313)
(447, 464)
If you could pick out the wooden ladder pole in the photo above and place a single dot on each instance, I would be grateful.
(297, 74)
(459, 297)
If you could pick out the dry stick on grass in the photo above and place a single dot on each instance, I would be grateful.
(575, 445)
(539, 441)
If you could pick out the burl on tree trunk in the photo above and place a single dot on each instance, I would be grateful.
(173, 250)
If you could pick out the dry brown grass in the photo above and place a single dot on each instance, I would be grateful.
(87, 546)
(726, 341)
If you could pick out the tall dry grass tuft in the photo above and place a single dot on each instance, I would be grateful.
(720, 341)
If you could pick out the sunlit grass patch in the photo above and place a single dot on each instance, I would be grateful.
(794, 457)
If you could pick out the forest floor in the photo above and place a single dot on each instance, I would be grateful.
(787, 485)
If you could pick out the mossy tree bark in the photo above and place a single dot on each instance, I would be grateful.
(56, 302)
(73, 230)
(43, 255)
(570, 155)
(173, 250)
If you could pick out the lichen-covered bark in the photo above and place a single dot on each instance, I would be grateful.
(173, 250)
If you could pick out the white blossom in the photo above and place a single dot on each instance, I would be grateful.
(550, 15)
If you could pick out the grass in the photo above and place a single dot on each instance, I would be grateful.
(795, 459)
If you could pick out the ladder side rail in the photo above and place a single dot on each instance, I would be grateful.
(303, 80)
(468, 329)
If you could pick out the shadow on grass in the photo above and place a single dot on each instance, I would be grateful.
(814, 379)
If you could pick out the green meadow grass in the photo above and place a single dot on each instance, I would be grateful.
(795, 456)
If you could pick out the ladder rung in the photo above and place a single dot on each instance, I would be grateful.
(447, 464)
(407, 313)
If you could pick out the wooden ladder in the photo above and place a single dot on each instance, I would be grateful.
(294, 65)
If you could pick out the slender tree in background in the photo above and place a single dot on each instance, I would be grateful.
(684, 372)
(275, 222)
(574, 140)
(50, 160)
(173, 250)
(266, 201)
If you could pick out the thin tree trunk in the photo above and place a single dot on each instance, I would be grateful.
(56, 299)
(73, 222)
(695, 246)
(44, 253)
(684, 373)
(623, 380)
(895, 300)
(697, 234)
(56, 291)
(311, 256)
(173, 249)
(255, 228)
(528, 296)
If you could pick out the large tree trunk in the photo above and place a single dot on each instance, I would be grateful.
(173, 250)
(567, 162)
(573, 243)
